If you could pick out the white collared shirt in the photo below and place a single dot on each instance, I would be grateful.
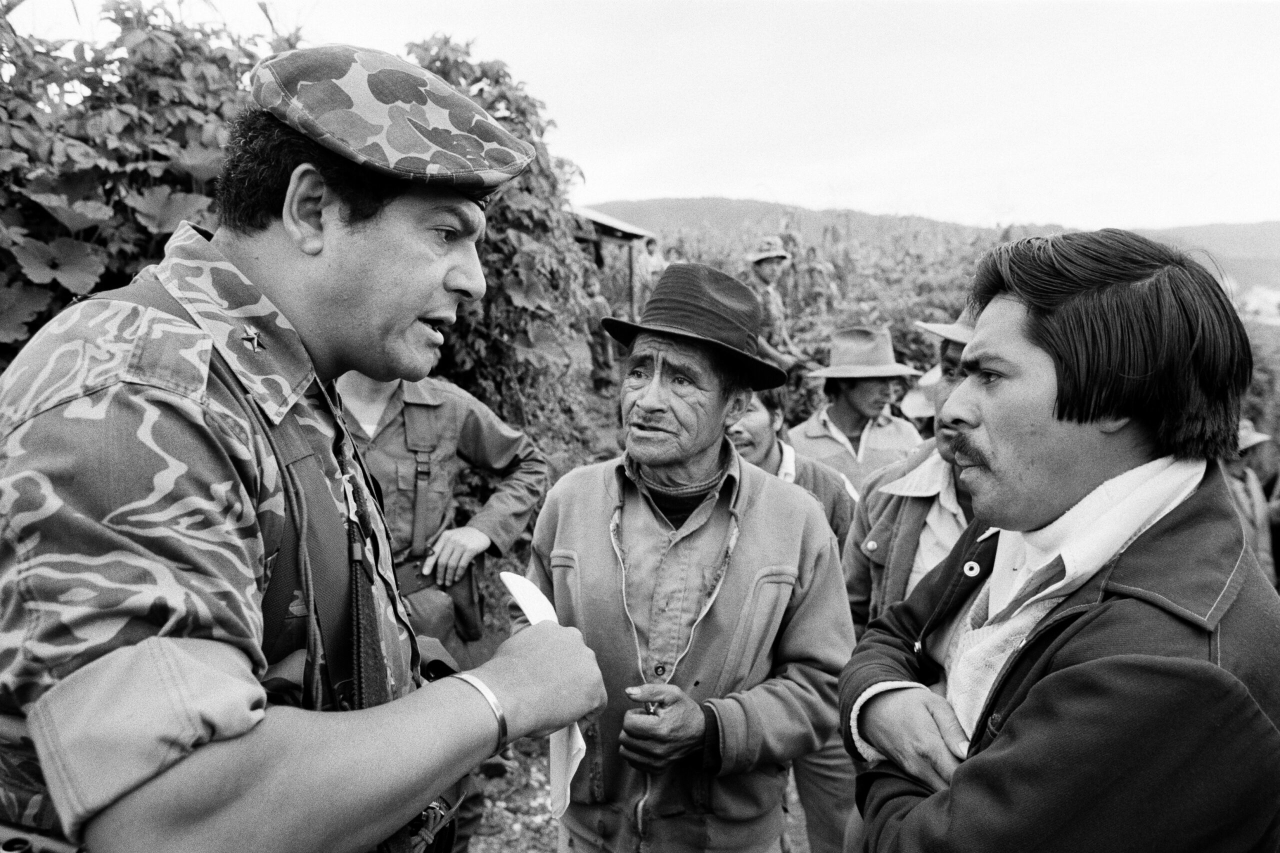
(944, 523)
(787, 467)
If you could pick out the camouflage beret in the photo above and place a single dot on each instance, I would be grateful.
(389, 115)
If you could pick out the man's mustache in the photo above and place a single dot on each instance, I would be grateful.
(963, 446)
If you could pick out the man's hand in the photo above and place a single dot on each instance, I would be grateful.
(545, 678)
(669, 727)
(919, 731)
(452, 552)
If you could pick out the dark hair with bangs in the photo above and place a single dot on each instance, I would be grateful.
(261, 156)
(1136, 329)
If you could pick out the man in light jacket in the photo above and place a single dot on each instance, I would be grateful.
(709, 590)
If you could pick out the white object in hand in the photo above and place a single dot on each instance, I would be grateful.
(567, 747)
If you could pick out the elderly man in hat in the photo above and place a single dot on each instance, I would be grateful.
(767, 264)
(913, 511)
(854, 433)
(194, 569)
(708, 589)
(1093, 665)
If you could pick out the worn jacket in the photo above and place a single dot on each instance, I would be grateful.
(1143, 713)
(881, 548)
(765, 654)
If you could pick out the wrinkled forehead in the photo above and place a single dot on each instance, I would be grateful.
(649, 346)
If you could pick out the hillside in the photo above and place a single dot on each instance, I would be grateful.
(1247, 253)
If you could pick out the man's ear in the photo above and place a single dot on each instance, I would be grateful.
(739, 402)
(1110, 426)
(303, 211)
(775, 421)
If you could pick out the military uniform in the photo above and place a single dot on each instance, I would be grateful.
(150, 446)
(139, 498)
(428, 431)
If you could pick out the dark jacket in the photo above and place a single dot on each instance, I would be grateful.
(1141, 714)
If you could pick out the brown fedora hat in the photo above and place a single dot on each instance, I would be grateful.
(703, 304)
(863, 352)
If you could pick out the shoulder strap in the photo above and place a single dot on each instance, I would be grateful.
(313, 550)
(418, 438)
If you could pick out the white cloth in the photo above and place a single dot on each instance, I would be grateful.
(787, 467)
(944, 522)
(1065, 554)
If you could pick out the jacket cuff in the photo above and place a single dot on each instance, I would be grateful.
(710, 740)
(866, 750)
(128, 716)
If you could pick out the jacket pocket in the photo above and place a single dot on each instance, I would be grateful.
(746, 796)
(750, 657)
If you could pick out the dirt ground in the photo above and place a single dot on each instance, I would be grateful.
(518, 809)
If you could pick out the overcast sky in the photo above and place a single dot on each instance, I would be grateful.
(1143, 114)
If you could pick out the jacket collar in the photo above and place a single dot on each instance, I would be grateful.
(1191, 563)
(248, 331)
(424, 392)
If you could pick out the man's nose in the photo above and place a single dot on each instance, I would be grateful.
(466, 278)
(959, 409)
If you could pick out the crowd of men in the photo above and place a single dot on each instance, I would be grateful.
(239, 607)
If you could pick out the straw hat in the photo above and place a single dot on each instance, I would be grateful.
(770, 247)
(863, 352)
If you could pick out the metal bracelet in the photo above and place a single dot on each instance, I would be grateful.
(493, 706)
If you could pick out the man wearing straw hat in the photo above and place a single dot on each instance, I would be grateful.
(709, 590)
(854, 433)
(195, 573)
(912, 511)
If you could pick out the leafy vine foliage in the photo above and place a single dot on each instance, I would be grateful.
(105, 149)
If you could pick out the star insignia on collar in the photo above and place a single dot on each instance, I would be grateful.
(251, 339)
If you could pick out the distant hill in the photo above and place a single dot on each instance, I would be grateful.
(1248, 253)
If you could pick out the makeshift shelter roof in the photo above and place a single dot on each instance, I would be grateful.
(609, 226)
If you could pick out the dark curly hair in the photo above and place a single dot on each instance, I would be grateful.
(260, 160)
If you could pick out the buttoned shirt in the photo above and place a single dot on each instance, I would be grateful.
(945, 520)
(138, 498)
(670, 574)
(884, 439)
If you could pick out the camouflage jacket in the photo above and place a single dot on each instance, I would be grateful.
(135, 501)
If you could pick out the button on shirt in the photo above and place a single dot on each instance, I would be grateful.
(670, 576)
(945, 521)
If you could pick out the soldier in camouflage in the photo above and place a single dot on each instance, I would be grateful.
(150, 444)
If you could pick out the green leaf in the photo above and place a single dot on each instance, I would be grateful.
(161, 210)
(76, 265)
(78, 216)
(20, 303)
(12, 160)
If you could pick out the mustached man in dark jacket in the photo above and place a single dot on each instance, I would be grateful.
(1094, 665)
